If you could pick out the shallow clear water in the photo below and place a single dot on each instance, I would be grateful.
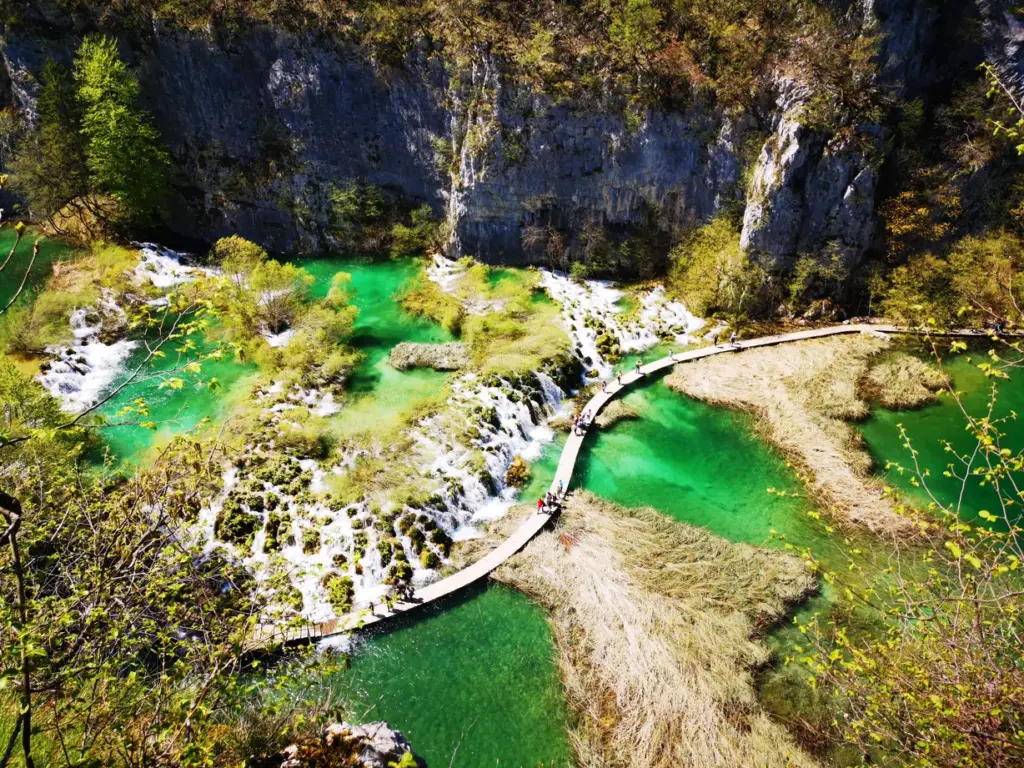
(377, 395)
(174, 411)
(930, 427)
(471, 681)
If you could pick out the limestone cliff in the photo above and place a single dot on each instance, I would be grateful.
(263, 125)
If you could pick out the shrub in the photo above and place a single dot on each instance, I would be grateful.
(429, 559)
(518, 473)
(340, 592)
(310, 541)
(234, 525)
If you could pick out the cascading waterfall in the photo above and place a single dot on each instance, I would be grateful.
(79, 374)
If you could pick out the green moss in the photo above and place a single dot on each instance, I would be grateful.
(310, 541)
(340, 592)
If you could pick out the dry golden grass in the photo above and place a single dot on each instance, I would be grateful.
(904, 381)
(615, 412)
(654, 622)
(804, 393)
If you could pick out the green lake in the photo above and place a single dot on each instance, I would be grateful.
(470, 681)
(929, 428)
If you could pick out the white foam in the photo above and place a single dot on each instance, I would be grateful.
(598, 300)
(79, 375)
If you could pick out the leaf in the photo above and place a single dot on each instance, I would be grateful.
(953, 548)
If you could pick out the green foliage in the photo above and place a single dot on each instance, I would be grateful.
(30, 328)
(415, 238)
(123, 151)
(49, 167)
(978, 281)
(710, 273)
(115, 618)
(340, 592)
(236, 255)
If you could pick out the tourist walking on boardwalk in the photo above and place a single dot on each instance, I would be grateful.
(637, 367)
(618, 379)
(561, 488)
(604, 385)
(540, 504)
(732, 339)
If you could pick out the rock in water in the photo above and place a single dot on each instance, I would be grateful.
(373, 745)
(440, 357)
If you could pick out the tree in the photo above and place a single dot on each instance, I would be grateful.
(49, 166)
(123, 151)
(94, 160)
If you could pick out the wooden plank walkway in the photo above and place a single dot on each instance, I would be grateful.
(563, 476)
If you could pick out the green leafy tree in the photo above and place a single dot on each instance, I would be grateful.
(49, 166)
(123, 151)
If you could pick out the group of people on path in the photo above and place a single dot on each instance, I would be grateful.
(581, 423)
(551, 502)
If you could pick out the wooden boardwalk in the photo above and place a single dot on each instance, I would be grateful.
(563, 476)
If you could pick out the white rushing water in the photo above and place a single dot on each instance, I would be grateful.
(463, 471)
(80, 374)
(592, 308)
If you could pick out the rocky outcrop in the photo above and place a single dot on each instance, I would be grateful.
(811, 193)
(374, 745)
(1004, 40)
(441, 357)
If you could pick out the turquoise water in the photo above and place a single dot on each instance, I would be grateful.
(930, 427)
(173, 411)
(471, 681)
(377, 395)
(50, 250)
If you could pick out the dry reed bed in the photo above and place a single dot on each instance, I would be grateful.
(903, 382)
(615, 412)
(654, 622)
(804, 394)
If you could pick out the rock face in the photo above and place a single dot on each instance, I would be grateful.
(264, 125)
(1004, 40)
(440, 357)
(374, 745)
(811, 193)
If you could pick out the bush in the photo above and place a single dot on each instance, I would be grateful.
(340, 592)
(310, 541)
(429, 559)
(234, 525)
(44, 322)
(518, 473)
(707, 270)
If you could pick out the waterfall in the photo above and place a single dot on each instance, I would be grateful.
(78, 375)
